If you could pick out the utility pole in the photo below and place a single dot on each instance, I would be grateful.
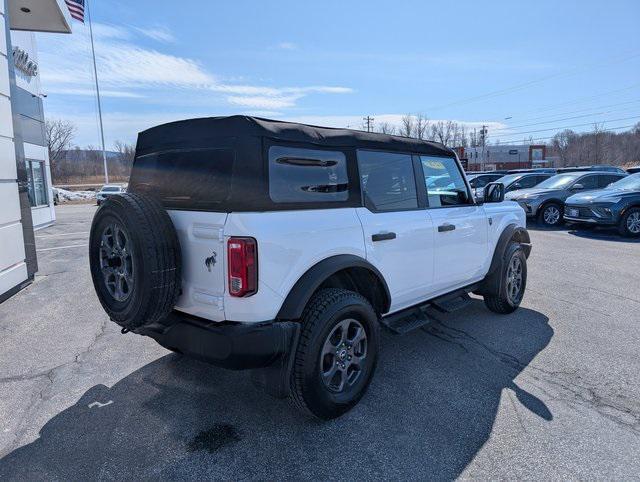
(483, 138)
(369, 122)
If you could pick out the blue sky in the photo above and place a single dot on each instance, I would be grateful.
(334, 62)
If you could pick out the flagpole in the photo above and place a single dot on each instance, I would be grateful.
(95, 72)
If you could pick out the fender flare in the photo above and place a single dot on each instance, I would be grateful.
(303, 289)
(492, 280)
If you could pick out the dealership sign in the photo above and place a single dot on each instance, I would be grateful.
(24, 63)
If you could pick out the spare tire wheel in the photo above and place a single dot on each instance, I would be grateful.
(134, 254)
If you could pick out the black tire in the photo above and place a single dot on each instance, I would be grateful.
(627, 224)
(134, 255)
(325, 314)
(546, 218)
(505, 301)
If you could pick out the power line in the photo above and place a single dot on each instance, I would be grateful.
(524, 85)
(569, 127)
(569, 118)
(551, 137)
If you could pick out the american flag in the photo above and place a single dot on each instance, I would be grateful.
(76, 8)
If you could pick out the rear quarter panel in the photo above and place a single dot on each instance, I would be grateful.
(289, 243)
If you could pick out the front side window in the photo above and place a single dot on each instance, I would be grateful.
(444, 181)
(387, 180)
(588, 182)
(298, 175)
(37, 185)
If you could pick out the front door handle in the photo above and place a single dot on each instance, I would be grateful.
(383, 236)
(446, 227)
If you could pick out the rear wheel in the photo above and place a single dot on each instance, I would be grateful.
(551, 215)
(630, 223)
(337, 353)
(512, 284)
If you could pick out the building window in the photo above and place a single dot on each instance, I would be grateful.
(37, 183)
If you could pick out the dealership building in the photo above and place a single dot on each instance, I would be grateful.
(26, 201)
(504, 156)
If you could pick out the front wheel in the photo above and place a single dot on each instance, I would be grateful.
(630, 223)
(512, 282)
(551, 215)
(336, 355)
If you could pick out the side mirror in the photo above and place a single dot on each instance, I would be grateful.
(494, 192)
(577, 187)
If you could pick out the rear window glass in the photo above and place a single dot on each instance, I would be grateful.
(307, 175)
(189, 179)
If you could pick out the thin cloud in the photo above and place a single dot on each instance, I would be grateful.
(287, 46)
(159, 34)
(126, 68)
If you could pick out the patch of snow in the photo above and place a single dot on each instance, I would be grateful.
(65, 195)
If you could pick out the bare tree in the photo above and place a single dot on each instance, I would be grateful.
(59, 134)
(387, 128)
(561, 143)
(408, 125)
(421, 125)
(442, 131)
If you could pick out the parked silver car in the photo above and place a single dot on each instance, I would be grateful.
(109, 190)
(545, 202)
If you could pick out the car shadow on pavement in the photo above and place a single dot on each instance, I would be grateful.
(428, 412)
(603, 234)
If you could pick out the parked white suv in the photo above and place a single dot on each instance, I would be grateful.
(282, 248)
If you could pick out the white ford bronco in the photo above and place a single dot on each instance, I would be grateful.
(282, 248)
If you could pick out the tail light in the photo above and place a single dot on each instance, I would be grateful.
(242, 257)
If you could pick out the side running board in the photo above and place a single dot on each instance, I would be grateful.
(418, 316)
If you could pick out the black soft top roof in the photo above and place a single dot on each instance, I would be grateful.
(202, 132)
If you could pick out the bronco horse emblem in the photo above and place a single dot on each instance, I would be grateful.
(210, 262)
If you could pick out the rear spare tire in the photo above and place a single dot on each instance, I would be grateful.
(134, 254)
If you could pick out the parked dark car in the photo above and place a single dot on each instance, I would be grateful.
(592, 168)
(616, 205)
(550, 170)
(479, 181)
(526, 180)
(545, 202)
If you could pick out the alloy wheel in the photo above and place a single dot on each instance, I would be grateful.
(116, 262)
(633, 223)
(514, 279)
(343, 355)
(551, 215)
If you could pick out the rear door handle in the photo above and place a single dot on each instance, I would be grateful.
(383, 236)
(446, 227)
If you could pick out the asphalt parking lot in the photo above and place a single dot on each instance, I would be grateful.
(549, 392)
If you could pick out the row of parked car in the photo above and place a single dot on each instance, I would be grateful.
(587, 195)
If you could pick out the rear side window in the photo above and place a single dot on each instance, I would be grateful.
(388, 181)
(188, 179)
(298, 175)
(606, 179)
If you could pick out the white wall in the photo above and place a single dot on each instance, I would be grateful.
(13, 269)
(42, 215)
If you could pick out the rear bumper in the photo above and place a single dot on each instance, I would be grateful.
(227, 344)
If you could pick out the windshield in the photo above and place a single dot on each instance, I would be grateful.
(629, 183)
(111, 188)
(559, 181)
